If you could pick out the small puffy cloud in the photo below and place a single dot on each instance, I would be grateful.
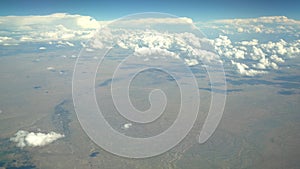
(240, 66)
(50, 68)
(5, 38)
(293, 50)
(240, 30)
(64, 43)
(24, 138)
(257, 53)
(243, 69)
(263, 63)
(257, 29)
(253, 42)
(239, 54)
(191, 62)
(145, 51)
(127, 125)
(222, 41)
(274, 65)
(277, 59)
(7, 41)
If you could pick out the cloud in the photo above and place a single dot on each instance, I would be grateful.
(64, 43)
(5, 38)
(191, 62)
(127, 125)
(87, 22)
(146, 51)
(240, 30)
(260, 25)
(27, 23)
(154, 21)
(186, 46)
(31, 139)
(282, 48)
(257, 53)
(251, 57)
(67, 27)
(264, 19)
(277, 59)
(222, 41)
(253, 42)
(50, 68)
(54, 27)
(240, 54)
(243, 69)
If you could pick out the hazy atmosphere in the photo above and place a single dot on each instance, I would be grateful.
(170, 85)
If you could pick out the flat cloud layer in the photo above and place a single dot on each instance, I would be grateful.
(24, 138)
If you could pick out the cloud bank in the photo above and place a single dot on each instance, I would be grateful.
(187, 46)
(62, 27)
(249, 57)
(54, 27)
(24, 138)
(260, 25)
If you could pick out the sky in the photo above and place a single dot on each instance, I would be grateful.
(198, 10)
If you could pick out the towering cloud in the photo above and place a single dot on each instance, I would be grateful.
(54, 27)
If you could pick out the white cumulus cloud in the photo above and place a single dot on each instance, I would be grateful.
(243, 69)
(24, 138)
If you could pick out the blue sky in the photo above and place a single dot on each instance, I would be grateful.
(197, 10)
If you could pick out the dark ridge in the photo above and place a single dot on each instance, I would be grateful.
(293, 78)
(105, 83)
(37, 87)
(284, 85)
(155, 76)
(94, 154)
(23, 167)
(286, 92)
(61, 118)
(221, 91)
(249, 82)
(216, 84)
(197, 69)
